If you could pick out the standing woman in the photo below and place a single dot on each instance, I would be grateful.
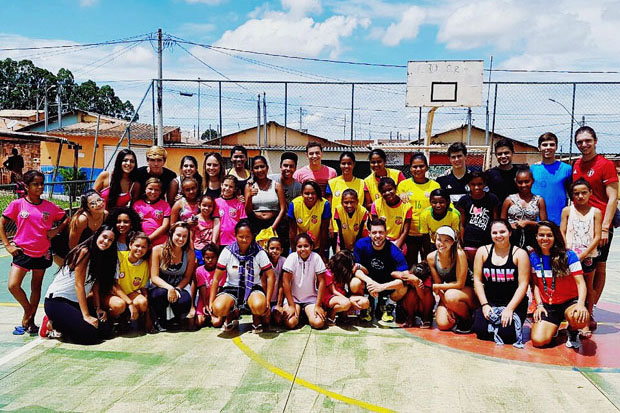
(172, 267)
(239, 160)
(559, 288)
(310, 213)
(523, 210)
(189, 169)
(501, 278)
(73, 300)
(249, 281)
(377, 160)
(121, 187)
(265, 202)
(214, 172)
(416, 191)
(452, 282)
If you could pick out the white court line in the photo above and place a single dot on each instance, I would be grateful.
(18, 352)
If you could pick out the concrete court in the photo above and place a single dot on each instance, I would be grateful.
(339, 369)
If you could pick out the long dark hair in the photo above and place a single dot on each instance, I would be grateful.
(102, 265)
(84, 207)
(134, 219)
(196, 175)
(341, 266)
(220, 160)
(559, 258)
(117, 176)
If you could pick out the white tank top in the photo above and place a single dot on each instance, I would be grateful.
(580, 231)
(64, 285)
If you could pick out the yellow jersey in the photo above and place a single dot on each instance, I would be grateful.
(418, 197)
(131, 277)
(350, 225)
(394, 217)
(371, 182)
(309, 220)
(336, 186)
(429, 225)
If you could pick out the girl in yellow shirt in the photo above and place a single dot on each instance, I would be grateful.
(350, 218)
(377, 159)
(391, 209)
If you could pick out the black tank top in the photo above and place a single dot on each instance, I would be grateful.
(500, 281)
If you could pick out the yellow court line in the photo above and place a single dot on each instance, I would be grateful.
(288, 376)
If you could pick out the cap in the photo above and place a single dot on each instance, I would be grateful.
(446, 230)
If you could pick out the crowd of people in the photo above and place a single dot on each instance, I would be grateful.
(152, 250)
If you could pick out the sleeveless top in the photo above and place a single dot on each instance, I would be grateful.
(500, 281)
(580, 231)
(122, 200)
(266, 200)
(63, 285)
(448, 275)
(175, 273)
(517, 212)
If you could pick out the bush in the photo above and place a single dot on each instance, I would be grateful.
(66, 175)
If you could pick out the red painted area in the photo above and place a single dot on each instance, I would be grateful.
(601, 351)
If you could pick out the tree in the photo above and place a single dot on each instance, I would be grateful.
(24, 86)
(208, 135)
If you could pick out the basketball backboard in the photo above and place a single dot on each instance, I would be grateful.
(441, 83)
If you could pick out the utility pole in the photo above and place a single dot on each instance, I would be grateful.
(198, 121)
(469, 126)
(160, 115)
(46, 113)
(59, 105)
(258, 121)
(300, 118)
(265, 117)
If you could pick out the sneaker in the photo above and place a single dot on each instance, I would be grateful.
(388, 313)
(573, 340)
(365, 315)
(43, 330)
(464, 326)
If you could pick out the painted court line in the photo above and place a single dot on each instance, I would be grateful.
(18, 352)
(296, 380)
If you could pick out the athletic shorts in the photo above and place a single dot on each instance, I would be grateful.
(234, 291)
(199, 259)
(605, 250)
(588, 264)
(555, 312)
(28, 263)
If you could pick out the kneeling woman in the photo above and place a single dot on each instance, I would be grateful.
(73, 300)
(172, 266)
(559, 288)
(249, 281)
(451, 281)
(501, 277)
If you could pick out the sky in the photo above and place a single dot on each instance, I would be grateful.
(531, 35)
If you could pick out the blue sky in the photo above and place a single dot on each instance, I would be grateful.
(532, 34)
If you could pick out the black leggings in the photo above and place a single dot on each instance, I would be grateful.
(158, 300)
(508, 334)
(66, 317)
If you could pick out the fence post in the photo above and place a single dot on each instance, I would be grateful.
(285, 112)
(220, 109)
(352, 110)
(494, 109)
(572, 123)
(153, 110)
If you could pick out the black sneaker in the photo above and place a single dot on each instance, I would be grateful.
(464, 326)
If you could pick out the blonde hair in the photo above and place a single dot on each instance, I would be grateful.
(156, 151)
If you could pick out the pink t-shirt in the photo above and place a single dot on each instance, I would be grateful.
(230, 211)
(203, 233)
(322, 176)
(152, 217)
(33, 222)
(205, 278)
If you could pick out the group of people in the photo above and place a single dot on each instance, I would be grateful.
(155, 249)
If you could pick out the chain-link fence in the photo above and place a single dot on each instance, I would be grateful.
(65, 194)
(361, 111)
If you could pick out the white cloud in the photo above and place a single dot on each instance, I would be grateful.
(197, 28)
(406, 28)
(300, 8)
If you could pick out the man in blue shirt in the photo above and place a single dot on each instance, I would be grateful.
(387, 268)
(552, 178)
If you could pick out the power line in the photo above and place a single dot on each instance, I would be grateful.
(136, 38)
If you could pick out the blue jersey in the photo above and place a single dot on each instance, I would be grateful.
(379, 263)
(551, 182)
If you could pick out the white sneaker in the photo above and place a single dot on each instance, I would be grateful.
(573, 340)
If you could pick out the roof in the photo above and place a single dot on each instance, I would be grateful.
(19, 113)
(12, 124)
(30, 137)
(298, 148)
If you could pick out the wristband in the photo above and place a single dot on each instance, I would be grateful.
(482, 305)
(540, 305)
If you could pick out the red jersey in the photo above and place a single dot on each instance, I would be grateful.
(599, 172)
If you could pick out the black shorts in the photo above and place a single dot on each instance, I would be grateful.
(588, 264)
(28, 263)
(605, 250)
(234, 293)
(555, 312)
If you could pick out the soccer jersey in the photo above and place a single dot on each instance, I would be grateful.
(371, 182)
(230, 212)
(304, 281)
(455, 187)
(336, 186)
(418, 197)
(153, 217)
(350, 224)
(565, 287)
(551, 182)
(131, 276)
(430, 225)
(33, 221)
(309, 219)
(599, 172)
(394, 216)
